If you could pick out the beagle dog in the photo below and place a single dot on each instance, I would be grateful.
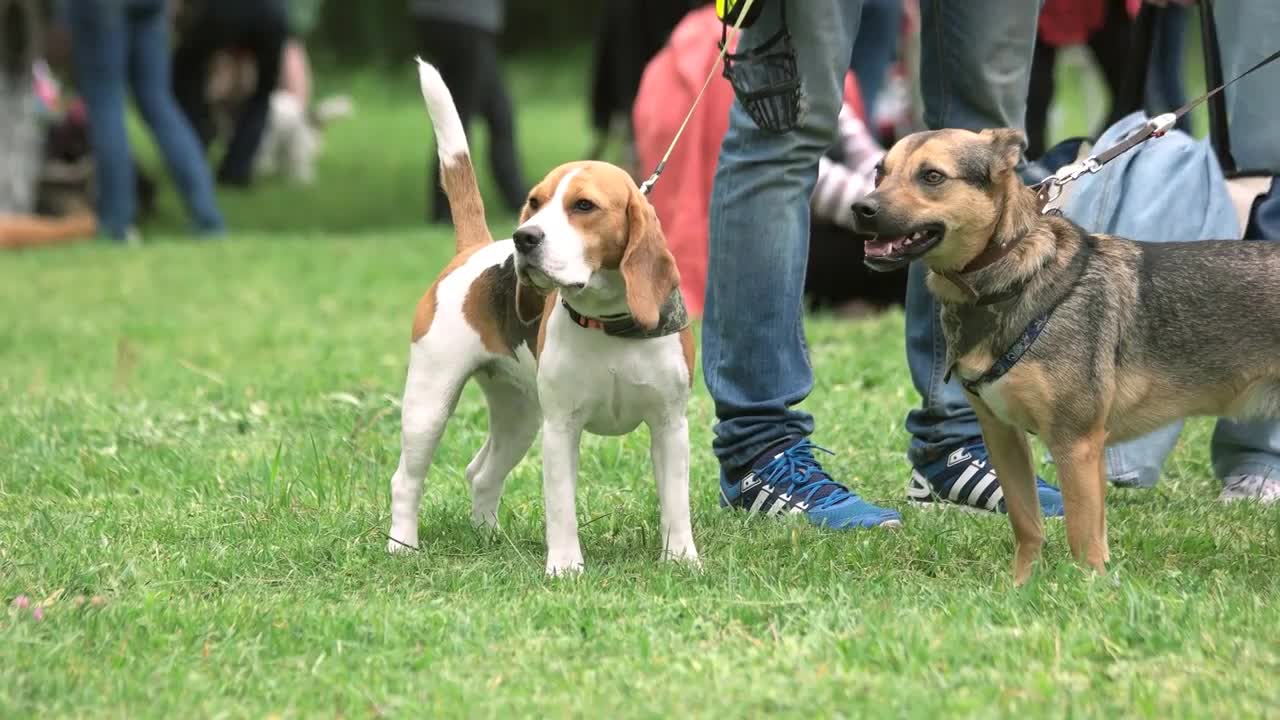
(574, 324)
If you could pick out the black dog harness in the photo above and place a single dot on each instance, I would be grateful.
(1011, 356)
(672, 318)
(1029, 335)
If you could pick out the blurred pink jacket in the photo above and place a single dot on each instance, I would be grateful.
(682, 197)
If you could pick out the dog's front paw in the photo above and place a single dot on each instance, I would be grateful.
(399, 544)
(687, 554)
(564, 565)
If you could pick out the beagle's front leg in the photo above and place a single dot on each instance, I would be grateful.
(669, 449)
(560, 441)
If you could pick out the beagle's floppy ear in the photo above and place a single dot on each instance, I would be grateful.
(1006, 145)
(648, 268)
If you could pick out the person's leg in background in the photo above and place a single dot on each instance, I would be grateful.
(875, 49)
(452, 48)
(975, 70)
(1040, 97)
(1246, 455)
(191, 63)
(148, 68)
(1110, 47)
(263, 32)
(754, 359)
(499, 116)
(100, 49)
(1166, 84)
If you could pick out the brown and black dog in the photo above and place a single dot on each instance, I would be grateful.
(1082, 339)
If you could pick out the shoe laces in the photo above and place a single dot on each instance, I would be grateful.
(800, 473)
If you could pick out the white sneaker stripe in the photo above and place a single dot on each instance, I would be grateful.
(760, 499)
(918, 488)
(994, 503)
(778, 506)
(954, 494)
(980, 488)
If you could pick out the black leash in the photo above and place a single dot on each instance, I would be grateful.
(1051, 187)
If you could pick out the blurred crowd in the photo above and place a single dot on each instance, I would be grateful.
(234, 75)
(231, 75)
(642, 89)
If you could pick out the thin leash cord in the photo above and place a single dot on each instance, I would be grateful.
(662, 164)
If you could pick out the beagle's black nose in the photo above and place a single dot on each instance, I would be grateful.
(867, 207)
(528, 238)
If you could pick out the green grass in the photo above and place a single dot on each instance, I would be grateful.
(203, 435)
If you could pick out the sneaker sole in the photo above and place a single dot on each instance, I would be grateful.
(892, 524)
(942, 505)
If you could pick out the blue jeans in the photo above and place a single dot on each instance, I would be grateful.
(975, 68)
(119, 43)
(874, 49)
(976, 57)
(1245, 37)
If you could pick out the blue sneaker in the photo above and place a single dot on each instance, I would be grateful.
(965, 479)
(788, 479)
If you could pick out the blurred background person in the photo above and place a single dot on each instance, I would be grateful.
(876, 48)
(628, 36)
(460, 37)
(256, 28)
(119, 45)
(1102, 25)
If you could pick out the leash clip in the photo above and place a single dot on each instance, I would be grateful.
(1074, 171)
(647, 185)
(1162, 124)
(1067, 174)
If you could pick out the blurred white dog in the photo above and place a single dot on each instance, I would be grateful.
(291, 142)
(292, 139)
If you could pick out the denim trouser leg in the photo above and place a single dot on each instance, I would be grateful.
(975, 69)
(1248, 448)
(754, 356)
(875, 48)
(1245, 37)
(149, 75)
(117, 45)
(100, 47)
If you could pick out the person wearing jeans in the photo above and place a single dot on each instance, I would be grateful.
(119, 44)
(975, 59)
(874, 49)
(1244, 455)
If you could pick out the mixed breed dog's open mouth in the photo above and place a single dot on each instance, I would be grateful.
(891, 252)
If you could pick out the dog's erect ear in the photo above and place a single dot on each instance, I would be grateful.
(1007, 145)
(648, 268)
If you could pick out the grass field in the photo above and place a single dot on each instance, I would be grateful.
(197, 439)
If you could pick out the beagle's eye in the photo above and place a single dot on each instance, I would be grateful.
(932, 177)
(879, 174)
(584, 205)
(533, 203)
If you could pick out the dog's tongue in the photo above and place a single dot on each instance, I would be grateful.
(881, 246)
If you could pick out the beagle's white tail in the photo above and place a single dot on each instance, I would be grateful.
(456, 172)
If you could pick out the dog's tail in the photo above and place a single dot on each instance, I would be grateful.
(456, 172)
